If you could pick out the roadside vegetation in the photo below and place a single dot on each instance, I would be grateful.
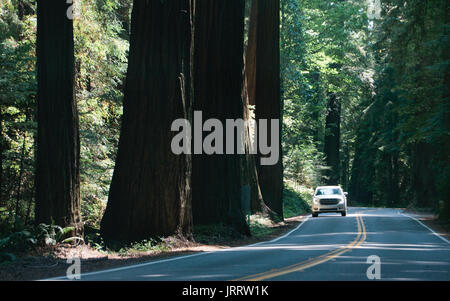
(297, 200)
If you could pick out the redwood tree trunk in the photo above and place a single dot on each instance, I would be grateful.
(264, 91)
(216, 178)
(250, 173)
(250, 56)
(332, 138)
(423, 186)
(58, 147)
(150, 189)
(257, 204)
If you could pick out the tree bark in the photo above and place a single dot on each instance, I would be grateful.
(332, 138)
(58, 148)
(150, 193)
(265, 91)
(423, 186)
(257, 204)
(218, 79)
(250, 56)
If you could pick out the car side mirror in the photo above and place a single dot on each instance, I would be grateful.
(345, 193)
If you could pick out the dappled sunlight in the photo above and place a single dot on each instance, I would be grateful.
(154, 275)
(405, 247)
(289, 247)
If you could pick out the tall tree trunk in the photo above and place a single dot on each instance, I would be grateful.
(58, 147)
(444, 213)
(216, 178)
(257, 204)
(345, 167)
(423, 185)
(150, 192)
(264, 91)
(250, 56)
(393, 178)
(332, 138)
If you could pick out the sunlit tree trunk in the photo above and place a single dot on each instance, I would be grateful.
(257, 204)
(263, 76)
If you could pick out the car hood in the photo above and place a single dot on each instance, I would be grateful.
(329, 196)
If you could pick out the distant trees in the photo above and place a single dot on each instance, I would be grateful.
(332, 139)
(402, 152)
(58, 142)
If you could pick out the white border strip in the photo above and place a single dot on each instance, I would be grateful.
(178, 257)
(431, 230)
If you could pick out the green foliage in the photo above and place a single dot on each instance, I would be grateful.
(52, 234)
(260, 226)
(18, 241)
(304, 165)
(17, 101)
(297, 200)
(215, 233)
(101, 33)
(402, 147)
(92, 209)
(41, 235)
(323, 50)
(101, 49)
(147, 245)
(150, 245)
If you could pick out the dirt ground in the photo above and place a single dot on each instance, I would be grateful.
(52, 261)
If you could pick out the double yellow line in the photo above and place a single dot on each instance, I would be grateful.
(360, 238)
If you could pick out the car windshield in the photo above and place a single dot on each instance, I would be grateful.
(328, 191)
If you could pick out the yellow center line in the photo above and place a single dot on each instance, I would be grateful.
(360, 238)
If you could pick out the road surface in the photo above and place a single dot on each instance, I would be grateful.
(329, 247)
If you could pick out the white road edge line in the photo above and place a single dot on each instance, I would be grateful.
(179, 257)
(431, 230)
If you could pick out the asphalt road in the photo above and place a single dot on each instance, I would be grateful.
(329, 247)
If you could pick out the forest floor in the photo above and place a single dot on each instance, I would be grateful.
(51, 261)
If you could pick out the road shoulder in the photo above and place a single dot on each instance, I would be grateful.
(430, 220)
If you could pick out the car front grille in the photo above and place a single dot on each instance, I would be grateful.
(329, 201)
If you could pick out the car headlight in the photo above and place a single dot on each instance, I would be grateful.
(315, 201)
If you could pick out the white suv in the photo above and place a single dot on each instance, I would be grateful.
(329, 199)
